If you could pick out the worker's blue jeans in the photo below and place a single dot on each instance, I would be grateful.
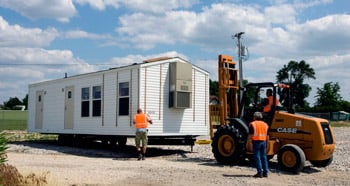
(259, 148)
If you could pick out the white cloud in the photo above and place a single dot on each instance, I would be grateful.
(23, 66)
(15, 35)
(150, 6)
(280, 14)
(7, 73)
(131, 59)
(23, 61)
(325, 35)
(80, 34)
(210, 28)
(61, 10)
(99, 4)
(158, 6)
(138, 30)
(15, 80)
(310, 3)
(18, 36)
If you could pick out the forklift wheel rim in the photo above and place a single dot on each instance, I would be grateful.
(226, 145)
(289, 159)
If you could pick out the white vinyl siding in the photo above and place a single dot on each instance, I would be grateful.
(148, 89)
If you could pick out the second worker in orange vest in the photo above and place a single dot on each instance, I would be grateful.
(258, 131)
(269, 96)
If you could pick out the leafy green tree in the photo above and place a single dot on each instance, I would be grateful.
(328, 98)
(345, 105)
(12, 102)
(25, 101)
(294, 74)
(214, 87)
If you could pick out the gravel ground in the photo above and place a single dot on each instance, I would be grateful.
(164, 165)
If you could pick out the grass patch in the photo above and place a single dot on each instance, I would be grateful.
(13, 120)
(12, 136)
(340, 123)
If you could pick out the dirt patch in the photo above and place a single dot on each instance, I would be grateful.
(94, 164)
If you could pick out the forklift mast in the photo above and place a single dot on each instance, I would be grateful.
(228, 88)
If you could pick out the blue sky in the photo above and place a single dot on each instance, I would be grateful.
(44, 39)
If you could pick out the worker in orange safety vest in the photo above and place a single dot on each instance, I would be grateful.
(141, 121)
(269, 96)
(258, 132)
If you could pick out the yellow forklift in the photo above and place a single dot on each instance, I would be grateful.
(294, 138)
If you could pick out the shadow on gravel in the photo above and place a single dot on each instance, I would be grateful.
(273, 166)
(91, 149)
(237, 175)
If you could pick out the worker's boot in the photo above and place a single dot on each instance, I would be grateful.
(258, 175)
(143, 156)
(140, 156)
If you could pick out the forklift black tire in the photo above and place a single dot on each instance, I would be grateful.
(322, 163)
(291, 158)
(229, 145)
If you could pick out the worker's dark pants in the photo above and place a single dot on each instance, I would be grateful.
(259, 148)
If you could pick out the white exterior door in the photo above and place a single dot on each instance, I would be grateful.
(39, 107)
(69, 108)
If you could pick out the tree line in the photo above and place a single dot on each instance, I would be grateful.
(13, 102)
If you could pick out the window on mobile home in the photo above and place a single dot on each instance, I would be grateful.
(123, 99)
(96, 102)
(85, 102)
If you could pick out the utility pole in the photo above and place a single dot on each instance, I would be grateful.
(238, 36)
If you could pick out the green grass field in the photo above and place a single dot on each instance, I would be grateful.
(13, 120)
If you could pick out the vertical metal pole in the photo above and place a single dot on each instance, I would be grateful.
(240, 62)
(238, 35)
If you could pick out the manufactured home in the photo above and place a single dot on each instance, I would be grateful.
(101, 105)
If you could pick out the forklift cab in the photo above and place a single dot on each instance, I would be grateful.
(254, 99)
